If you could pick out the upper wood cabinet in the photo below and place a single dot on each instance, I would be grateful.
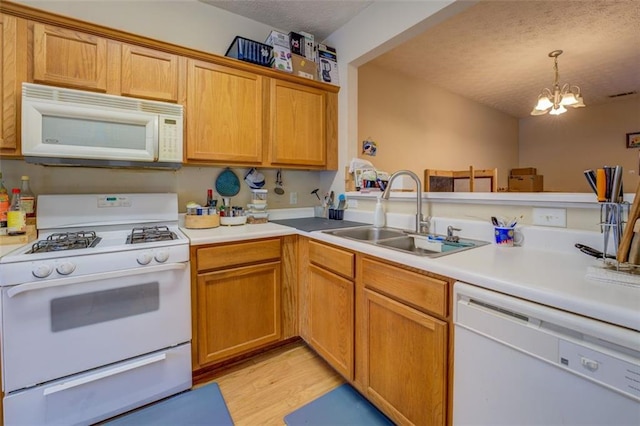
(236, 113)
(223, 114)
(69, 58)
(13, 43)
(85, 61)
(148, 73)
(297, 125)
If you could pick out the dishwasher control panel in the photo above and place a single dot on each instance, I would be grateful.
(613, 372)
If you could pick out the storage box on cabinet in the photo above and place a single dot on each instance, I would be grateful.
(422, 291)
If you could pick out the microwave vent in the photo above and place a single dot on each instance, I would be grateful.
(79, 97)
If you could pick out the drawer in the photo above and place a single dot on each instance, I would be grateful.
(101, 393)
(420, 291)
(246, 252)
(332, 259)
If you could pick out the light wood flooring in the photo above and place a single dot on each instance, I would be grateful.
(264, 389)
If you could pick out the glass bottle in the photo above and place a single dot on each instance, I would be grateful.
(16, 218)
(211, 202)
(27, 198)
(4, 207)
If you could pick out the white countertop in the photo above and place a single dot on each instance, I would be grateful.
(235, 233)
(552, 278)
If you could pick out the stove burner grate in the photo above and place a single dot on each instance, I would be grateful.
(148, 234)
(66, 241)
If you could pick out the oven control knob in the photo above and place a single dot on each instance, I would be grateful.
(65, 268)
(42, 270)
(144, 258)
(162, 256)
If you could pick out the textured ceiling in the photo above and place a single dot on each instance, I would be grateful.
(495, 52)
(320, 18)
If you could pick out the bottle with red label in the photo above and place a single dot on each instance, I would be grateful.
(4, 207)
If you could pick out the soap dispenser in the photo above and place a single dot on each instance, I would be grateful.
(378, 214)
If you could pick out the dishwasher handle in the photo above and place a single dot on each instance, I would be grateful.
(81, 279)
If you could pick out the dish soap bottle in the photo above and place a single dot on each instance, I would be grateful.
(378, 214)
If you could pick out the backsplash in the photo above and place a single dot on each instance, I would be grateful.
(189, 182)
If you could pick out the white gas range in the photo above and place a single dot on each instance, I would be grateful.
(96, 316)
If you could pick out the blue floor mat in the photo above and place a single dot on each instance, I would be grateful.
(202, 406)
(341, 406)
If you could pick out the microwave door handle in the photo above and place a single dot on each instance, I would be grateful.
(16, 290)
(103, 374)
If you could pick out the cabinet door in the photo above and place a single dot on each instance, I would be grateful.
(297, 125)
(69, 58)
(405, 366)
(331, 318)
(148, 73)
(238, 310)
(12, 66)
(224, 114)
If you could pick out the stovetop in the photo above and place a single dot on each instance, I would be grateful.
(90, 224)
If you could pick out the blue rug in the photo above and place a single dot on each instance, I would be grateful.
(201, 406)
(341, 406)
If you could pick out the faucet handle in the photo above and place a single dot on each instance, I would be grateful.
(451, 229)
(425, 224)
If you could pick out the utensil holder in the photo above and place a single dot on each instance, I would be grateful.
(612, 219)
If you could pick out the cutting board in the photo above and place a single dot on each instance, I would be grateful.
(627, 235)
(634, 250)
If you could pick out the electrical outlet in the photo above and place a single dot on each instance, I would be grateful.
(550, 217)
(293, 198)
(352, 203)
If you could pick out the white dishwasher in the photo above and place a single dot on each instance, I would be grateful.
(522, 363)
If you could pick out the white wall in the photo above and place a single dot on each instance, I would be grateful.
(562, 147)
(418, 126)
(187, 23)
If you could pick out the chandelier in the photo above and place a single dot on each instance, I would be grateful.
(555, 100)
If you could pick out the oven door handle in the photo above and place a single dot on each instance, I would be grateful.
(81, 279)
(103, 374)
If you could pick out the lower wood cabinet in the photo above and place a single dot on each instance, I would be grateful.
(405, 361)
(236, 299)
(402, 342)
(327, 314)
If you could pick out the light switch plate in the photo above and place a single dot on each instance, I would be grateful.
(293, 198)
(550, 217)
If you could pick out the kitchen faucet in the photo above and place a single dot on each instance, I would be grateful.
(421, 223)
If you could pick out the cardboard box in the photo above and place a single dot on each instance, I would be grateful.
(304, 68)
(526, 183)
(281, 53)
(524, 171)
(282, 59)
(276, 38)
(296, 42)
(309, 46)
(327, 64)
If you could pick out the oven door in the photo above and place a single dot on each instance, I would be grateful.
(55, 328)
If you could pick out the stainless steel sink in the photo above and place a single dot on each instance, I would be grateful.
(367, 233)
(404, 241)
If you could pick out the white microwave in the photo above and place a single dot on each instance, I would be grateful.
(73, 127)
